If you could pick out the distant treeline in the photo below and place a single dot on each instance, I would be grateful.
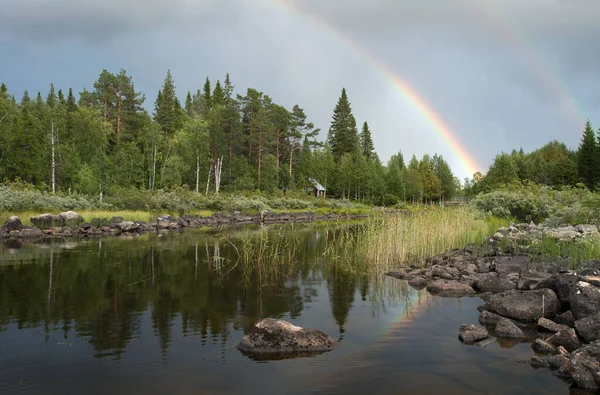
(553, 165)
(104, 141)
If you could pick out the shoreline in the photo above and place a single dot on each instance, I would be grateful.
(71, 225)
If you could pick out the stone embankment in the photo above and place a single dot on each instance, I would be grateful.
(544, 303)
(71, 224)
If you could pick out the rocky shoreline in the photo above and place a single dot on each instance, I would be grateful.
(71, 224)
(547, 304)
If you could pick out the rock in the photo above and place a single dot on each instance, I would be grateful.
(507, 329)
(585, 300)
(542, 347)
(99, 222)
(27, 233)
(13, 223)
(273, 336)
(593, 280)
(524, 305)
(560, 350)
(446, 288)
(587, 229)
(396, 274)
(71, 219)
(469, 269)
(47, 221)
(484, 267)
(470, 279)
(566, 338)
(565, 283)
(493, 283)
(565, 234)
(529, 279)
(589, 327)
(498, 236)
(487, 318)
(127, 226)
(511, 264)
(438, 271)
(585, 370)
(546, 325)
(470, 334)
(538, 362)
(418, 282)
(567, 318)
(558, 361)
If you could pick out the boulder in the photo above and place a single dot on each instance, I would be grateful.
(469, 269)
(27, 233)
(564, 234)
(558, 361)
(71, 219)
(13, 223)
(567, 318)
(589, 327)
(418, 282)
(127, 226)
(546, 325)
(511, 264)
(538, 362)
(487, 318)
(565, 283)
(492, 283)
(542, 347)
(585, 300)
(585, 370)
(99, 222)
(524, 305)
(273, 336)
(507, 329)
(449, 288)
(47, 221)
(566, 338)
(587, 229)
(470, 334)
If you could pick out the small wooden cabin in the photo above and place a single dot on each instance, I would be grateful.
(317, 189)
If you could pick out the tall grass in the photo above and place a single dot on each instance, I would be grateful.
(409, 238)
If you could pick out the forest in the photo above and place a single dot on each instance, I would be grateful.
(104, 146)
(105, 143)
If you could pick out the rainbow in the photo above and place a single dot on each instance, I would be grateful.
(465, 158)
(534, 59)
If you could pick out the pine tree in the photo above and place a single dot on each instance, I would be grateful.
(343, 135)
(366, 142)
(218, 95)
(167, 110)
(587, 157)
(206, 96)
(189, 104)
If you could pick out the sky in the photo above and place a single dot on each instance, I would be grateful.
(499, 74)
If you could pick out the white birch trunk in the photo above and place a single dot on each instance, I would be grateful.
(197, 170)
(208, 180)
(218, 172)
(53, 179)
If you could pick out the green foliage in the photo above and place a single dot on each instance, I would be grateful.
(587, 157)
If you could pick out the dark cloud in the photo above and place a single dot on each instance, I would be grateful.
(501, 74)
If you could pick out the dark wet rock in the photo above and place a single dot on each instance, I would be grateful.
(558, 361)
(492, 283)
(566, 338)
(13, 223)
(47, 221)
(397, 274)
(589, 327)
(585, 300)
(507, 329)
(273, 336)
(542, 347)
(524, 305)
(565, 283)
(546, 325)
(538, 362)
(511, 264)
(585, 370)
(487, 318)
(418, 282)
(71, 219)
(470, 334)
(567, 318)
(531, 279)
(26, 233)
(549, 283)
(449, 288)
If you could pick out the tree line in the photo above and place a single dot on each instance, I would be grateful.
(553, 165)
(216, 140)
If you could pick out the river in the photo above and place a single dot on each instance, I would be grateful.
(161, 314)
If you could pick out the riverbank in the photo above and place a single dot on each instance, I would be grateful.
(528, 296)
(72, 224)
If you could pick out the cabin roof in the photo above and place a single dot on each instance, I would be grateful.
(316, 184)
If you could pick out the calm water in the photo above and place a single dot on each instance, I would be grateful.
(159, 315)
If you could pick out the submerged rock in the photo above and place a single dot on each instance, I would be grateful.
(469, 333)
(507, 329)
(418, 282)
(273, 336)
(446, 288)
(524, 305)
